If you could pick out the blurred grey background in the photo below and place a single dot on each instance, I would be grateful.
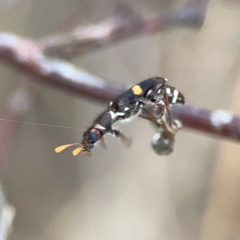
(123, 193)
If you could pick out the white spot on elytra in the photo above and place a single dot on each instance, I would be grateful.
(168, 91)
(149, 92)
(175, 96)
(220, 118)
(120, 114)
(113, 115)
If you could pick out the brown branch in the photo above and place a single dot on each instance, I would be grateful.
(124, 25)
(218, 122)
(27, 56)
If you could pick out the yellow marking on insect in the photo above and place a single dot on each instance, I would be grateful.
(63, 147)
(77, 150)
(137, 90)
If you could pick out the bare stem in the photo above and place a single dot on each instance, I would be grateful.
(27, 56)
(218, 122)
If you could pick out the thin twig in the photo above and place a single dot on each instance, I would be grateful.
(123, 25)
(218, 122)
(27, 56)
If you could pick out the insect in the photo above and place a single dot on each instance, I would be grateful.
(148, 99)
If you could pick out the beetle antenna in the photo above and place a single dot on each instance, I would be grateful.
(76, 151)
(63, 147)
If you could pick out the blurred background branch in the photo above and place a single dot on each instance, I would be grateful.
(126, 23)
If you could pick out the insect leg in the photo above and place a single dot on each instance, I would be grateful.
(102, 143)
(163, 141)
(172, 126)
(156, 109)
(125, 140)
(159, 114)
